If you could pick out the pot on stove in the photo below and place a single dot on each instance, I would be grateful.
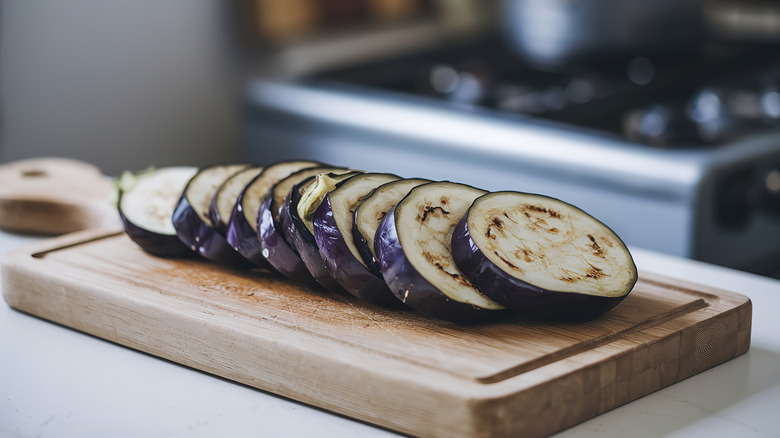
(553, 33)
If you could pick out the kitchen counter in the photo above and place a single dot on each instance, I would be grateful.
(58, 382)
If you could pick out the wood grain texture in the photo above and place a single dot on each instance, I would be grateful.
(53, 196)
(394, 368)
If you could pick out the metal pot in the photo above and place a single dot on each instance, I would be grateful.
(553, 33)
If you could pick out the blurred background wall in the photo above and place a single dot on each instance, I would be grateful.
(131, 83)
(121, 84)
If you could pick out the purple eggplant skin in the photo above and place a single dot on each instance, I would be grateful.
(277, 252)
(362, 246)
(244, 239)
(524, 299)
(217, 221)
(202, 238)
(343, 266)
(242, 230)
(303, 240)
(157, 244)
(274, 245)
(401, 276)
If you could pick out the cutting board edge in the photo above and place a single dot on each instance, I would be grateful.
(637, 382)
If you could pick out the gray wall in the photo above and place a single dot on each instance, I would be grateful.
(121, 84)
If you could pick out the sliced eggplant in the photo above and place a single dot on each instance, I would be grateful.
(370, 212)
(146, 208)
(314, 193)
(192, 223)
(412, 245)
(332, 223)
(274, 245)
(242, 232)
(542, 257)
(224, 200)
(296, 217)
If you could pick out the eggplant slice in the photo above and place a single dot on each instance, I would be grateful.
(542, 257)
(412, 245)
(225, 199)
(275, 247)
(242, 232)
(370, 212)
(332, 223)
(146, 209)
(191, 220)
(297, 217)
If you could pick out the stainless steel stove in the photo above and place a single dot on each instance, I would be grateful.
(677, 154)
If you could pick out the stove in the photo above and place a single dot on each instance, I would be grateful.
(678, 154)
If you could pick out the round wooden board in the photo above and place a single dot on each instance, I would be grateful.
(54, 196)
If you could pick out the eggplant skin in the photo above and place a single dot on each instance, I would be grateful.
(303, 240)
(244, 239)
(216, 219)
(157, 244)
(343, 266)
(277, 252)
(523, 298)
(363, 249)
(222, 224)
(202, 238)
(406, 283)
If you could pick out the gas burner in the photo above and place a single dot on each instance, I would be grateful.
(701, 99)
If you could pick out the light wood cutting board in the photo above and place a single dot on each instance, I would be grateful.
(397, 369)
(52, 196)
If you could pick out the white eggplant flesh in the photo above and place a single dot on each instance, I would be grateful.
(542, 257)
(191, 220)
(370, 212)
(227, 195)
(146, 209)
(275, 246)
(242, 231)
(413, 249)
(333, 222)
(297, 218)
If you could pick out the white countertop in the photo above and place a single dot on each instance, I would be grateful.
(57, 382)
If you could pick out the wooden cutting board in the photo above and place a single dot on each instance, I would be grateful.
(397, 369)
(52, 196)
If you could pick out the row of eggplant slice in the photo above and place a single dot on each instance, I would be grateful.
(446, 249)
